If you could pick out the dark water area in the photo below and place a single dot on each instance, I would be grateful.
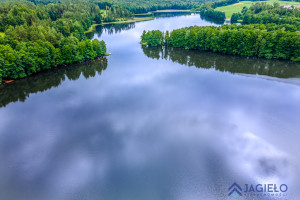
(20, 90)
(216, 21)
(226, 63)
(151, 123)
(164, 14)
(170, 14)
(110, 29)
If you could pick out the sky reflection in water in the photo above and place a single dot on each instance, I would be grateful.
(149, 127)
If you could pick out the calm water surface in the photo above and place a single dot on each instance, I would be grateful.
(151, 124)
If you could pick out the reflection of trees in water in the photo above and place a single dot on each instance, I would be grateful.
(228, 63)
(21, 89)
(111, 29)
(163, 14)
(215, 21)
(117, 28)
(170, 14)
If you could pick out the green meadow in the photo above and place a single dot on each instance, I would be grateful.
(235, 8)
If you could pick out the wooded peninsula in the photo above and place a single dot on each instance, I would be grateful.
(268, 31)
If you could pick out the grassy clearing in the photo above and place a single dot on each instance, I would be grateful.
(2, 34)
(235, 8)
(92, 28)
(143, 14)
(103, 12)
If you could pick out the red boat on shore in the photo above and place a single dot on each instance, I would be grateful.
(7, 81)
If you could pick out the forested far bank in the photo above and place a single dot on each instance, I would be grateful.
(251, 12)
(144, 6)
(267, 41)
(263, 13)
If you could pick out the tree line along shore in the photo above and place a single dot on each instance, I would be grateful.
(36, 35)
(267, 31)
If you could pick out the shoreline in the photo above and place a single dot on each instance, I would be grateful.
(4, 82)
(92, 28)
(136, 19)
(162, 11)
(225, 54)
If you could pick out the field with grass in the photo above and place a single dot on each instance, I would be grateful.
(235, 8)
(92, 28)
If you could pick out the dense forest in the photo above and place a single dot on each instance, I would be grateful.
(35, 37)
(263, 13)
(144, 6)
(268, 41)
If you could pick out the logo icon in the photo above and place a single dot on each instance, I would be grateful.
(235, 190)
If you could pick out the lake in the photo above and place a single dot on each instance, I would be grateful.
(151, 124)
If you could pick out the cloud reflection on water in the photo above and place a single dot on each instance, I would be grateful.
(149, 129)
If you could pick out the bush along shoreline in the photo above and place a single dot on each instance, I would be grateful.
(32, 57)
(269, 41)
